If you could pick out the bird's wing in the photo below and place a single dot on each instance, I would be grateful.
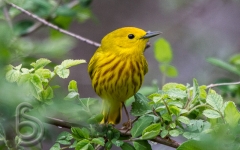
(145, 65)
(92, 63)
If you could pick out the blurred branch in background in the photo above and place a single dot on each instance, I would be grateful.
(206, 119)
(53, 26)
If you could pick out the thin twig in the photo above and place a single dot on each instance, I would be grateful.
(38, 25)
(166, 106)
(223, 84)
(54, 26)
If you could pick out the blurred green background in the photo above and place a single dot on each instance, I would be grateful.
(195, 29)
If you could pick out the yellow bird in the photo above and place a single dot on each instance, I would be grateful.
(117, 69)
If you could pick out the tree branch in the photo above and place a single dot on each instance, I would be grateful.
(158, 139)
(223, 84)
(124, 132)
(60, 123)
(54, 26)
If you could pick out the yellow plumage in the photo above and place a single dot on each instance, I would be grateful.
(117, 69)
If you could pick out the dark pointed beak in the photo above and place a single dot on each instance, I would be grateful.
(151, 34)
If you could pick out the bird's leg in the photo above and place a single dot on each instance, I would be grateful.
(128, 124)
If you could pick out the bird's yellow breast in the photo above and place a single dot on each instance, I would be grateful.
(120, 78)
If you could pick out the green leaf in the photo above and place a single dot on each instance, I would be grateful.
(84, 14)
(162, 51)
(24, 79)
(13, 75)
(191, 135)
(73, 145)
(71, 96)
(167, 117)
(151, 131)
(215, 101)
(72, 86)
(199, 125)
(195, 90)
(85, 103)
(183, 119)
(84, 145)
(140, 106)
(176, 93)
(56, 146)
(98, 140)
(235, 60)
(22, 26)
(172, 125)
(80, 134)
(2, 133)
(115, 133)
(190, 145)
(70, 62)
(142, 145)
(85, 3)
(44, 73)
(48, 93)
(95, 119)
(64, 142)
(164, 133)
(17, 140)
(116, 142)
(224, 65)
(40, 63)
(108, 145)
(211, 114)
(168, 70)
(127, 146)
(63, 135)
(61, 71)
(65, 11)
(37, 83)
(171, 85)
(231, 114)
(140, 125)
(178, 104)
(174, 133)
(202, 91)
(160, 108)
(175, 110)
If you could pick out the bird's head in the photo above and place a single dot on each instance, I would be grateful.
(126, 39)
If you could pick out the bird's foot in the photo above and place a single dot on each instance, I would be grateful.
(127, 125)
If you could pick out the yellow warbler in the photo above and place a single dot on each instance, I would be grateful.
(117, 69)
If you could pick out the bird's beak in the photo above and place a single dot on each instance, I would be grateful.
(151, 34)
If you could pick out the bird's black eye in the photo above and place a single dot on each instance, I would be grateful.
(131, 36)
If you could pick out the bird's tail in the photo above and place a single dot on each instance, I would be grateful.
(112, 113)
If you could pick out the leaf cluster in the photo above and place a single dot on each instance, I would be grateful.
(36, 79)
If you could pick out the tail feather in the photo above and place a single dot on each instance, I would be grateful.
(112, 114)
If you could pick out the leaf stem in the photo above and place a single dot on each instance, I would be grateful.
(203, 105)
(166, 107)
(188, 100)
